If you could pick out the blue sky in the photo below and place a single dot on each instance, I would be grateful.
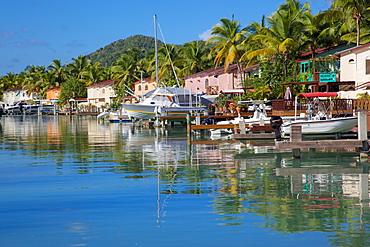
(35, 32)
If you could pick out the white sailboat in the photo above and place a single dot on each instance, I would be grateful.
(162, 101)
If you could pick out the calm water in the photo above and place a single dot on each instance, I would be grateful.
(76, 182)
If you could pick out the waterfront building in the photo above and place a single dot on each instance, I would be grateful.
(355, 65)
(18, 94)
(215, 80)
(143, 86)
(52, 94)
(100, 94)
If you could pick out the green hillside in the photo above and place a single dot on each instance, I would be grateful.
(110, 53)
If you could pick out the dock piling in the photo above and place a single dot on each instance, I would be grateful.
(188, 124)
(362, 130)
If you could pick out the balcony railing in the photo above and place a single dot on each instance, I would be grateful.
(335, 105)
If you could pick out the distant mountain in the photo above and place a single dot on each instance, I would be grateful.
(110, 53)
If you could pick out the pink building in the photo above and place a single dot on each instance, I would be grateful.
(215, 80)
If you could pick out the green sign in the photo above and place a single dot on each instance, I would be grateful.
(328, 77)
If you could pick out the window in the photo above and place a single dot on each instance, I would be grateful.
(146, 87)
(206, 83)
(368, 65)
(139, 88)
(351, 60)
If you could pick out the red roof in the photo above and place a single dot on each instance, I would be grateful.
(57, 87)
(317, 94)
(146, 80)
(354, 49)
(317, 51)
(102, 84)
(14, 89)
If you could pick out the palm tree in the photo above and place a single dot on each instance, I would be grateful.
(354, 11)
(10, 80)
(59, 71)
(227, 37)
(194, 58)
(107, 74)
(124, 71)
(93, 73)
(283, 40)
(76, 68)
(35, 79)
(169, 65)
(313, 33)
(250, 43)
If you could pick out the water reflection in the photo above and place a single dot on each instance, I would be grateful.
(156, 174)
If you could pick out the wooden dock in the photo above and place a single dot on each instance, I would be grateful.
(296, 144)
(288, 145)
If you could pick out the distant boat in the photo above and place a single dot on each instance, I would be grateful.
(22, 108)
(161, 102)
(115, 116)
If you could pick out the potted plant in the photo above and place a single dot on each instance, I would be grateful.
(239, 108)
(232, 107)
(221, 102)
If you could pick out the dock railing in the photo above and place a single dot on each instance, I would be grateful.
(337, 106)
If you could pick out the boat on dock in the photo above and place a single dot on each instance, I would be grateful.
(163, 101)
(320, 120)
(115, 116)
(322, 126)
(23, 108)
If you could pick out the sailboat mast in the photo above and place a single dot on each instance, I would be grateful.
(156, 50)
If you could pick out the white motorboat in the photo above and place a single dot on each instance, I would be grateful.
(319, 122)
(103, 115)
(115, 116)
(321, 126)
(163, 101)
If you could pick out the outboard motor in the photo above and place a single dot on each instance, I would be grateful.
(275, 123)
(209, 120)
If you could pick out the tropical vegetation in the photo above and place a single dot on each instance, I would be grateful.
(275, 44)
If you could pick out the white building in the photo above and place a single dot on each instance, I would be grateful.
(355, 67)
(101, 93)
(18, 94)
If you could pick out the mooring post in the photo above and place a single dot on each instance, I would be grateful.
(188, 123)
(296, 136)
(362, 130)
(242, 127)
(296, 133)
(197, 119)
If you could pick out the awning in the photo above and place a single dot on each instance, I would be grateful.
(235, 90)
(317, 94)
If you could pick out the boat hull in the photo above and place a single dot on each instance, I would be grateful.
(329, 126)
(140, 111)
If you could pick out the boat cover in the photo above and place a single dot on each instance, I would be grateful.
(317, 94)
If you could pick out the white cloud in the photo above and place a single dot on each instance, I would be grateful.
(8, 35)
(205, 35)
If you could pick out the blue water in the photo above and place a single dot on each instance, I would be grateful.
(72, 181)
